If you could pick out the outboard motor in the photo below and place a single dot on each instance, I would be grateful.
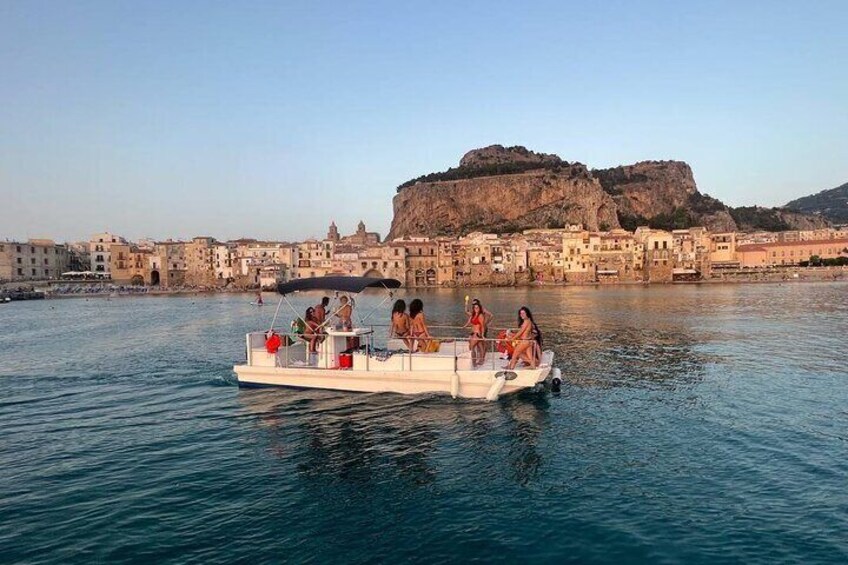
(556, 380)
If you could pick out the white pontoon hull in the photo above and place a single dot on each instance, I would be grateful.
(477, 383)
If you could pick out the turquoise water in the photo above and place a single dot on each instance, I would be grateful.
(697, 424)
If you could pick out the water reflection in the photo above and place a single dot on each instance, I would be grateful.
(365, 438)
(627, 356)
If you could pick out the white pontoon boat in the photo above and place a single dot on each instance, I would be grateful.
(287, 362)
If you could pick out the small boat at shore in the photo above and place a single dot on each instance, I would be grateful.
(282, 359)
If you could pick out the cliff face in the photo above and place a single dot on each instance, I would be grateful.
(663, 194)
(504, 203)
(510, 189)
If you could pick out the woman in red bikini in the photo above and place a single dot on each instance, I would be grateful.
(477, 321)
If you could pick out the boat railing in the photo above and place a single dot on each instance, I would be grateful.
(491, 355)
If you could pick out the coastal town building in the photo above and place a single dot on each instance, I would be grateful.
(99, 248)
(35, 259)
(691, 254)
(313, 258)
(421, 260)
(200, 262)
(263, 263)
(723, 251)
(79, 257)
(784, 253)
(224, 258)
(619, 257)
(171, 263)
(658, 257)
(129, 264)
(361, 237)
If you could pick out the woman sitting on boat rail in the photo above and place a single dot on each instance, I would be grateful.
(418, 327)
(401, 323)
(313, 332)
(528, 341)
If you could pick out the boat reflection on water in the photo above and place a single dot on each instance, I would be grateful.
(370, 438)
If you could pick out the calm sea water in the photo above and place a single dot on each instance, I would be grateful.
(697, 424)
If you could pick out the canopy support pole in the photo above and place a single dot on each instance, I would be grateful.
(277, 311)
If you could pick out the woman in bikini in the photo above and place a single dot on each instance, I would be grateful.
(312, 332)
(477, 321)
(418, 327)
(401, 323)
(528, 344)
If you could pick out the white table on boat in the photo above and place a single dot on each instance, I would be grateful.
(336, 342)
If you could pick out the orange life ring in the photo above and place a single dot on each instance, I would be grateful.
(504, 344)
(273, 343)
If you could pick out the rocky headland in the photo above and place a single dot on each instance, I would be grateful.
(509, 189)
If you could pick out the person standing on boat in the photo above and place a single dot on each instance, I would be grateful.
(528, 341)
(401, 323)
(487, 316)
(321, 310)
(476, 345)
(345, 316)
(259, 301)
(487, 322)
(418, 327)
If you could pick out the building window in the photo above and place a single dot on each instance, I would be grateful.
(20, 260)
(21, 272)
(18, 248)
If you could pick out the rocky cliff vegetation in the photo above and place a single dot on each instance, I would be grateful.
(830, 204)
(507, 189)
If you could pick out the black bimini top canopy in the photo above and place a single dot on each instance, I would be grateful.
(341, 284)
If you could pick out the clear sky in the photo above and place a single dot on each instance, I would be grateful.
(269, 119)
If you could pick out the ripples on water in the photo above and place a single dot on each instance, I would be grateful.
(698, 424)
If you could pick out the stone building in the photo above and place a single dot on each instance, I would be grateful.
(723, 251)
(169, 268)
(361, 237)
(37, 259)
(256, 262)
(99, 247)
(421, 261)
(619, 258)
(224, 262)
(79, 257)
(313, 258)
(691, 254)
(200, 262)
(659, 258)
(790, 252)
(129, 265)
(545, 260)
